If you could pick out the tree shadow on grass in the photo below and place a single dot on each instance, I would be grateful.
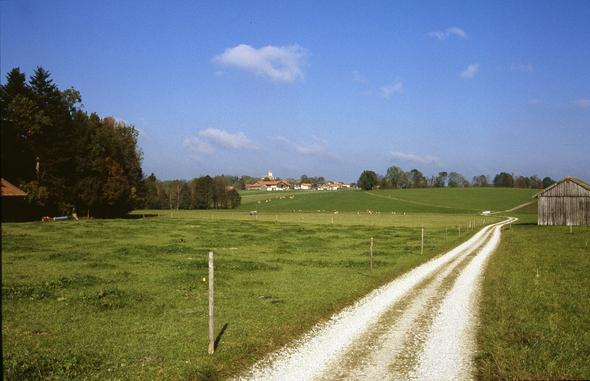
(218, 338)
(138, 216)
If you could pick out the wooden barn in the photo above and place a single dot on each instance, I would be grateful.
(566, 202)
(14, 206)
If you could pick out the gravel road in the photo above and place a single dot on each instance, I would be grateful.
(420, 326)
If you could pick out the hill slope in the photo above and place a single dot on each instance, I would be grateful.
(430, 200)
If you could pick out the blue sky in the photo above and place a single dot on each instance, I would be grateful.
(324, 88)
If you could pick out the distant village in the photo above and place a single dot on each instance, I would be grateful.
(270, 183)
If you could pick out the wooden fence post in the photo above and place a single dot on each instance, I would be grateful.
(211, 347)
(371, 254)
(422, 245)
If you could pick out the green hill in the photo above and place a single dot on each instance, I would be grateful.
(429, 200)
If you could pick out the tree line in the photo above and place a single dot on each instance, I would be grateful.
(395, 177)
(205, 192)
(62, 156)
(67, 159)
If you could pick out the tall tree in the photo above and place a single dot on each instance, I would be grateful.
(367, 180)
(504, 179)
(204, 192)
(457, 180)
(417, 179)
(480, 181)
(440, 180)
(548, 181)
(396, 177)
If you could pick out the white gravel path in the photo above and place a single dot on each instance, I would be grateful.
(449, 349)
(323, 347)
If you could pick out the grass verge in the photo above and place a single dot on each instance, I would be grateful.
(535, 307)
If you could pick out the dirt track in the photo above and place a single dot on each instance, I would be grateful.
(418, 327)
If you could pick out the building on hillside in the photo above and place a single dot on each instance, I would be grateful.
(566, 202)
(269, 176)
(14, 206)
(303, 186)
(269, 185)
(333, 185)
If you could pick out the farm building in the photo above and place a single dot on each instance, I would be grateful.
(566, 202)
(14, 206)
(269, 185)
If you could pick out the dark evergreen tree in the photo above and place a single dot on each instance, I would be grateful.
(367, 180)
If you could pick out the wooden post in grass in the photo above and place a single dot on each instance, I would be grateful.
(371, 254)
(211, 347)
(422, 245)
(332, 220)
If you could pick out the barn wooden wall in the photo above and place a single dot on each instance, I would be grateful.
(565, 204)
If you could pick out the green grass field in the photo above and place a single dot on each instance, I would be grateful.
(125, 299)
(430, 200)
(535, 309)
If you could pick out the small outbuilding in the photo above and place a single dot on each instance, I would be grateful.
(567, 202)
(14, 206)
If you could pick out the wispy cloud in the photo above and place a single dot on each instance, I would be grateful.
(470, 71)
(225, 139)
(410, 157)
(582, 103)
(316, 147)
(452, 31)
(522, 67)
(198, 146)
(278, 63)
(387, 91)
(535, 101)
(207, 141)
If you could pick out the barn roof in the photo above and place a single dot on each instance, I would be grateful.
(9, 190)
(574, 180)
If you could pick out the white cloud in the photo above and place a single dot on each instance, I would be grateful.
(410, 157)
(207, 141)
(527, 68)
(387, 91)
(278, 63)
(225, 139)
(582, 103)
(452, 31)
(470, 71)
(198, 146)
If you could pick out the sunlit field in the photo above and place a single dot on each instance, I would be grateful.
(126, 298)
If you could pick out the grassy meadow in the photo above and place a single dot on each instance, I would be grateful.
(427, 200)
(125, 298)
(535, 307)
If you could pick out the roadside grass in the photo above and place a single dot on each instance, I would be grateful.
(429, 200)
(125, 299)
(535, 306)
